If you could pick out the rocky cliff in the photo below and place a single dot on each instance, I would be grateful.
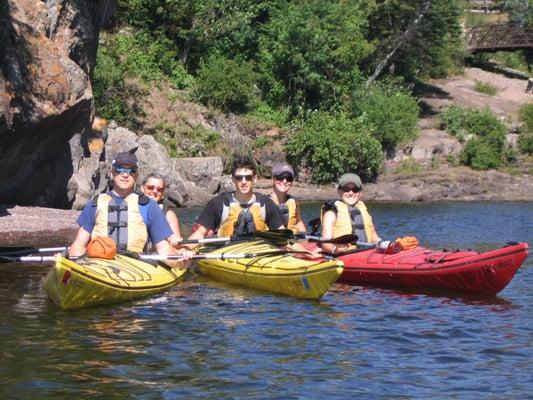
(47, 54)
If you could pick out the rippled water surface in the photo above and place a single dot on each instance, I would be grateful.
(204, 339)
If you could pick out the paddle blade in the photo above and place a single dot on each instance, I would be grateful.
(17, 251)
(275, 235)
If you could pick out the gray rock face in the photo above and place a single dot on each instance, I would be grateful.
(204, 171)
(48, 49)
(92, 175)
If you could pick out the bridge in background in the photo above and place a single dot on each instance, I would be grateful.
(503, 37)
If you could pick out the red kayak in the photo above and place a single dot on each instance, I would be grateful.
(461, 270)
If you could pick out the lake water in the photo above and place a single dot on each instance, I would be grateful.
(208, 340)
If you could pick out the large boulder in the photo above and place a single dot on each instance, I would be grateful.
(92, 176)
(48, 51)
(204, 171)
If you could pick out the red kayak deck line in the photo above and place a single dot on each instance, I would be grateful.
(461, 270)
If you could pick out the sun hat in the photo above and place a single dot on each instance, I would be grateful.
(350, 178)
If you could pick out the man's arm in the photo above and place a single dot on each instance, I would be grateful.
(78, 247)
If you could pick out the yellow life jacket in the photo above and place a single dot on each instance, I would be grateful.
(290, 212)
(241, 219)
(123, 223)
(353, 220)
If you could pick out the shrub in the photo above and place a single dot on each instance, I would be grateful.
(454, 121)
(391, 109)
(484, 149)
(526, 116)
(331, 144)
(225, 84)
(478, 154)
(525, 142)
(485, 88)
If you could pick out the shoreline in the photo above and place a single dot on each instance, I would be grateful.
(43, 227)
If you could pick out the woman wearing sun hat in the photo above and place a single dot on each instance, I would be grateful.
(282, 179)
(348, 215)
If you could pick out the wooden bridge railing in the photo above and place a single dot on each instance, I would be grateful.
(489, 38)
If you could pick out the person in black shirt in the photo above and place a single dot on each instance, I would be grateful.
(239, 212)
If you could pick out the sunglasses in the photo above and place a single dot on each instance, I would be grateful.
(247, 178)
(281, 178)
(124, 170)
(152, 188)
(347, 189)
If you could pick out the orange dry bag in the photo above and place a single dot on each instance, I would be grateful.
(102, 247)
(407, 242)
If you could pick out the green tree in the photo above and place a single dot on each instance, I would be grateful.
(225, 84)
(331, 144)
(310, 52)
(431, 49)
(391, 109)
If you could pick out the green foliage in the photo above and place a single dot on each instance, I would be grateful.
(478, 154)
(487, 135)
(526, 117)
(391, 109)
(261, 142)
(109, 88)
(151, 59)
(485, 88)
(525, 142)
(266, 114)
(195, 141)
(331, 144)
(514, 59)
(310, 52)
(461, 121)
(408, 166)
(431, 50)
(225, 84)
(453, 160)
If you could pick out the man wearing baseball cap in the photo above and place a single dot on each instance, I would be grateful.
(129, 219)
(348, 215)
(282, 180)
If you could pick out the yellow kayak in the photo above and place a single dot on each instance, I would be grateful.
(93, 281)
(281, 273)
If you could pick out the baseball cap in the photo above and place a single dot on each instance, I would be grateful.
(350, 178)
(280, 168)
(125, 158)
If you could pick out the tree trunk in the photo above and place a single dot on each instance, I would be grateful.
(402, 40)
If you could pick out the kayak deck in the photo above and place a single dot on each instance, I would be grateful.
(282, 273)
(462, 270)
(92, 281)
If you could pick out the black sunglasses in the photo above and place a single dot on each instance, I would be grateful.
(247, 178)
(347, 189)
(288, 178)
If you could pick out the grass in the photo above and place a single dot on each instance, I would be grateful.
(485, 88)
(408, 166)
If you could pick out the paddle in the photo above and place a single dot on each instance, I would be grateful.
(21, 251)
(344, 239)
(160, 257)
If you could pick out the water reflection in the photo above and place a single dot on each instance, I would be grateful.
(204, 339)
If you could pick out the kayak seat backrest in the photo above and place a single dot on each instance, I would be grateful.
(447, 256)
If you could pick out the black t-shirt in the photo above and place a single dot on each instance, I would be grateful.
(210, 216)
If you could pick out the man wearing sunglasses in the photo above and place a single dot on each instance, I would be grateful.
(347, 215)
(129, 219)
(239, 212)
(282, 179)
